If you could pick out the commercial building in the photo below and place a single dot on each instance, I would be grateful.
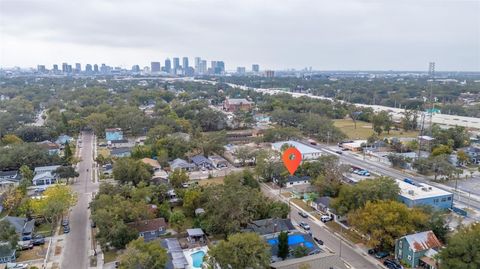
(185, 63)
(255, 68)
(241, 70)
(155, 67)
(415, 194)
(308, 153)
(168, 66)
(269, 73)
(237, 104)
(176, 64)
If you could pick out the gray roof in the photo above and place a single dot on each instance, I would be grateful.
(324, 200)
(6, 250)
(195, 232)
(270, 226)
(50, 168)
(11, 175)
(200, 159)
(176, 259)
(317, 261)
(238, 101)
(180, 163)
(296, 179)
(21, 225)
(117, 151)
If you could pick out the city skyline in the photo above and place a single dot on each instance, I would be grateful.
(326, 35)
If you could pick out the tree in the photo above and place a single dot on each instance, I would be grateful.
(240, 251)
(441, 150)
(127, 170)
(67, 153)
(397, 160)
(385, 221)
(54, 204)
(283, 245)
(27, 176)
(143, 255)
(66, 172)
(177, 220)
(8, 234)
(463, 157)
(11, 139)
(300, 251)
(11, 199)
(352, 197)
(462, 250)
(191, 201)
(178, 177)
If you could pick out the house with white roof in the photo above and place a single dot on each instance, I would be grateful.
(308, 152)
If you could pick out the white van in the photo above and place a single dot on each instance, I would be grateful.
(325, 218)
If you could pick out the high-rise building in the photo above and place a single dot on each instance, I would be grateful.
(176, 64)
(41, 68)
(168, 66)
(64, 67)
(241, 70)
(203, 67)
(55, 68)
(220, 68)
(136, 68)
(255, 68)
(269, 73)
(95, 68)
(78, 68)
(155, 67)
(198, 61)
(88, 68)
(69, 69)
(103, 69)
(185, 63)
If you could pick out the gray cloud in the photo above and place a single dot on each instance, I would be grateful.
(347, 34)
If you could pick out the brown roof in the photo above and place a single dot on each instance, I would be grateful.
(148, 225)
(423, 241)
(153, 163)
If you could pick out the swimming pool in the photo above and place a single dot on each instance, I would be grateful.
(197, 258)
(292, 240)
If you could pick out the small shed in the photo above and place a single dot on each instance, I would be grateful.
(195, 235)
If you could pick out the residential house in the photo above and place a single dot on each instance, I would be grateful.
(122, 143)
(474, 153)
(321, 203)
(149, 229)
(153, 163)
(63, 139)
(7, 253)
(412, 249)
(23, 227)
(201, 162)
(182, 165)
(416, 194)
(51, 147)
(270, 227)
(237, 104)
(113, 134)
(218, 162)
(175, 257)
(308, 152)
(354, 146)
(9, 179)
(44, 176)
(293, 181)
(159, 175)
(322, 260)
(120, 152)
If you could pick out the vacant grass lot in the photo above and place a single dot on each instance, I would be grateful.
(213, 181)
(364, 130)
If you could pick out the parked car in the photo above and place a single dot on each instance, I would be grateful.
(66, 229)
(24, 245)
(303, 214)
(319, 241)
(392, 264)
(325, 218)
(304, 226)
(93, 224)
(381, 255)
(65, 222)
(339, 152)
(38, 240)
(117, 264)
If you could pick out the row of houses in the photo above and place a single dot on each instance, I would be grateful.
(199, 162)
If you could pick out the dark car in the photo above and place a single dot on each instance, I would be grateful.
(65, 222)
(117, 264)
(93, 224)
(66, 229)
(38, 240)
(303, 214)
(392, 264)
(381, 255)
(339, 152)
(319, 241)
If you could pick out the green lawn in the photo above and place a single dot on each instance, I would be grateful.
(301, 204)
(110, 256)
(44, 229)
(364, 130)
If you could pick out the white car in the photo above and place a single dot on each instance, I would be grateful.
(325, 218)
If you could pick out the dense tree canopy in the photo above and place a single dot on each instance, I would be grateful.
(463, 249)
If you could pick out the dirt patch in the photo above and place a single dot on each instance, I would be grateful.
(58, 250)
(37, 252)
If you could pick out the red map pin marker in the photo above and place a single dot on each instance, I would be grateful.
(292, 163)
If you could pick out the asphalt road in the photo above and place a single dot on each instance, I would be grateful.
(461, 199)
(354, 256)
(78, 243)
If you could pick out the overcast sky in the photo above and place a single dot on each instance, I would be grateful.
(278, 34)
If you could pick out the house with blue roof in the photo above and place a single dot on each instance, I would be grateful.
(112, 134)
